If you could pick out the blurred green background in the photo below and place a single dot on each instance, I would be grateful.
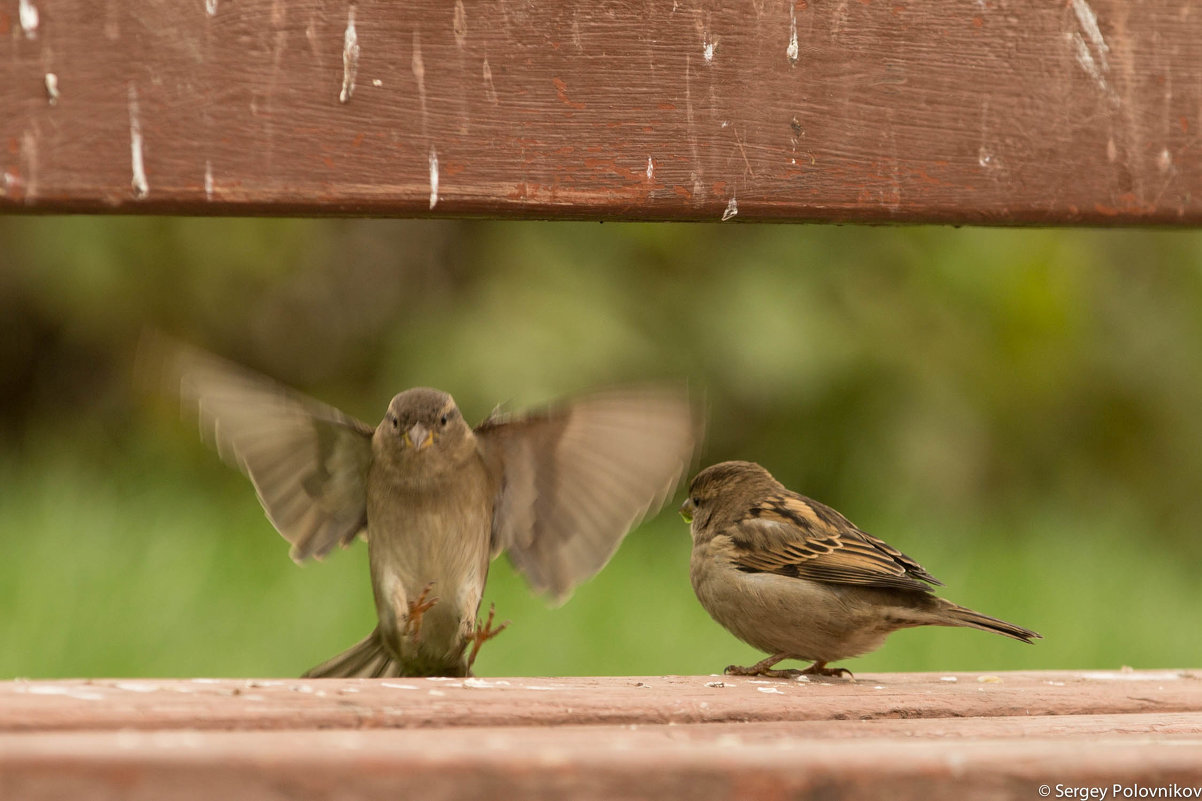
(1017, 409)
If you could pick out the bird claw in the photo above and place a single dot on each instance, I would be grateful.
(764, 668)
(482, 634)
(417, 608)
(820, 669)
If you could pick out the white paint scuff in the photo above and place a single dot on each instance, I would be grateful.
(140, 186)
(707, 50)
(208, 180)
(52, 88)
(650, 168)
(433, 179)
(792, 51)
(211, 7)
(1091, 49)
(27, 12)
(460, 23)
(732, 208)
(350, 56)
(489, 89)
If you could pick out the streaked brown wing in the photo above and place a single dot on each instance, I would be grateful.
(307, 461)
(574, 479)
(793, 536)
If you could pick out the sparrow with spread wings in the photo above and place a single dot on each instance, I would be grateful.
(437, 499)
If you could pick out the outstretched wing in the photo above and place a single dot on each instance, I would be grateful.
(574, 479)
(308, 461)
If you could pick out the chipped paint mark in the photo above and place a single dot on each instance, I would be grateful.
(433, 179)
(1165, 160)
(140, 186)
(490, 91)
(27, 12)
(29, 156)
(52, 88)
(376, 82)
(770, 690)
(419, 72)
(460, 23)
(350, 56)
(698, 185)
(650, 168)
(792, 51)
(707, 49)
(986, 158)
(1112, 151)
(211, 7)
(208, 180)
(393, 686)
(732, 208)
(1088, 21)
(1093, 54)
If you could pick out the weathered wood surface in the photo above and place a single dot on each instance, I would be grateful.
(918, 735)
(994, 111)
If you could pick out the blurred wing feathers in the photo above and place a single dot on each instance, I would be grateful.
(308, 461)
(574, 479)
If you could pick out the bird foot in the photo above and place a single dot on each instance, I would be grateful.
(763, 668)
(417, 608)
(820, 669)
(481, 634)
(736, 670)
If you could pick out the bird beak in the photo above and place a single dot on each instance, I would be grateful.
(686, 510)
(419, 437)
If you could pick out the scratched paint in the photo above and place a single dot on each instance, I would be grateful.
(433, 179)
(208, 180)
(52, 94)
(350, 56)
(793, 50)
(29, 155)
(27, 13)
(139, 183)
(460, 23)
(490, 90)
(1090, 47)
(732, 208)
(211, 7)
(650, 168)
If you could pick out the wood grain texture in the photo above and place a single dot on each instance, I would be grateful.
(992, 111)
(928, 736)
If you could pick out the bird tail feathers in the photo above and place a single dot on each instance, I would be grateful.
(367, 659)
(961, 616)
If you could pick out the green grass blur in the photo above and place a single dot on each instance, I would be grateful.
(1017, 409)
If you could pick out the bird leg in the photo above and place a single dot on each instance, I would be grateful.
(764, 668)
(417, 608)
(820, 669)
(482, 634)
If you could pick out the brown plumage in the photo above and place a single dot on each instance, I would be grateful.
(793, 577)
(556, 489)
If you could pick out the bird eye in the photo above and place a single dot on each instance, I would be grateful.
(696, 501)
(395, 423)
(444, 419)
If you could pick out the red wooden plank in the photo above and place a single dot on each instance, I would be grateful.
(836, 759)
(998, 111)
(426, 703)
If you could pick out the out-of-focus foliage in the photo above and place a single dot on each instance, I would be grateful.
(1017, 409)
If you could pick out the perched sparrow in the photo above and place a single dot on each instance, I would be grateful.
(795, 578)
(436, 499)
